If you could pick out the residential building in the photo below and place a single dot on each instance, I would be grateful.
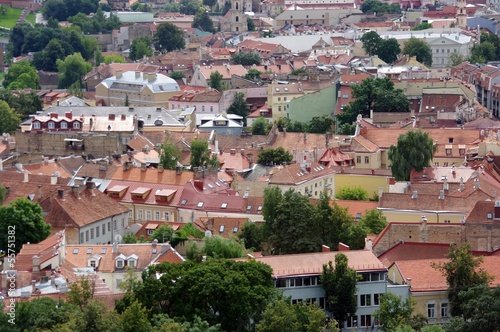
(87, 215)
(297, 276)
(205, 102)
(224, 124)
(327, 17)
(303, 108)
(265, 50)
(111, 261)
(221, 226)
(201, 75)
(137, 89)
(103, 71)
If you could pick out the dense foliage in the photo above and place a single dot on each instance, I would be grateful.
(168, 37)
(419, 49)
(278, 156)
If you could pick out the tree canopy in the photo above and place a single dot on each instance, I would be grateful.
(373, 221)
(246, 58)
(10, 119)
(340, 287)
(278, 156)
(413, 151)
(22, 218)
(379, 7)
(260, 126)
(169, 154)
(168, 37)
(72, 70)
(22, 103)
(202, 21)
(394, 313)
(462, 272)
(420, 49)
(352, 193)
(21, 75)
(200, 154)
(239, 107)
(140, 48)
(216, 80)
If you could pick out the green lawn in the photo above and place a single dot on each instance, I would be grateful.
(31, 18)
(10, 18)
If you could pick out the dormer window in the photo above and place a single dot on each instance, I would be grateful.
(36, 125)
(51, 125)
(132, 261)
(224, 205)
(120, 261)
(200, 204)
(119, 264)
(76, 125)
(64, 125)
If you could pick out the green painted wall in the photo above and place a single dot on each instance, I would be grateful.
(304, 108)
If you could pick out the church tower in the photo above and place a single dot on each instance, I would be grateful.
(461, 13)
(235, 19)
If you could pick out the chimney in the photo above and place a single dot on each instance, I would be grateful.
(414, 195)
(325, 248)
(39, 192)
(143, 167)
(137, 74)
(461, 186)
(476, 184)
(446, 185)
(69, 115)
(441, 194)
(90, 187)
(408, 281)
(242, 151)
(343, 247)
(53, 115)
(75, 190)
(115, 247)
(123, 117)
(178, 170)
(127, 165)
(423, 220)
(119, 74)
(60, 193)
(160, 168)
(33, 286)
(36, 264)
(154, 243)
(26, 177)
(111, 117)
(233, 151)
(165, 247)
(151, 77)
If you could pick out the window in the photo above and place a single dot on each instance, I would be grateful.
(221, 229)
(279, 108)
(358, 159)
(76, 125)
(92, 263)
(64, 125)
(448, 152)
(52, 125)
(157, 215)
(444, 310)
(211, 108)
(322, 302)
(86, 235)
(150, 231)
(280, 283)
(431, 310)
(367, 159)
(81, 237)
(223, 205)
(131, 263)
(167, 216)
(445, 164)
(279, 98)
(103, 250)
(351, 321)
(200, 204)
(365, 320)
(123, 223)
(97, 229)
(119, 263)
(148, 215)
(36, 125)
(203, 108)
(284, 98)
(139, 214)
(130, 214)
(114, 225)
(376, 299)
(91, 233)
(109, 226)
(365, 300)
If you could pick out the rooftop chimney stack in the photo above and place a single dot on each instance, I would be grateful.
(75, 190)
(476, 184)
(160, 168)
(60, 193)
(143, 167)
(441, 194)
(91, 187)
(414, 195)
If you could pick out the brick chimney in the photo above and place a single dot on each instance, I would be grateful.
(75, 190)
(60, 193)
(111, 117)
(497, 210)
(119, 74)
(143, 167)
(178, 170)
(343, 247)
(69, 115)
(36, 264)
(160, 168)
(90, 187)
(325, 248)
(53, 115)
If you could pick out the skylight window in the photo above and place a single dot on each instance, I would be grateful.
(259, 208)
(210, 186)
(75, 251)
(200, 204)
(224, 205)
(217, 184)
(221, 229)
(235, 230)
(183, 202)
(249, 207)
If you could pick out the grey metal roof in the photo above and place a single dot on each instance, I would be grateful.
(161, 83)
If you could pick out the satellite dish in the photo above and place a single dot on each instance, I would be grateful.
(208, 234)
(118, 238)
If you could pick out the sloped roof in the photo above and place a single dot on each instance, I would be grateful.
(153, 189)
(294, 174)
(167, 177)
(414, 251)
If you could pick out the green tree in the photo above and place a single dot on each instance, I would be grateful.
(3, 193)
(354, 235)
(481, 309)
(374, 221)
(250, 24)
(352, 193)
(282, 316)
(169, 154)
(414, 151)
(291, 228)
(10, 119)
(389, 50)
(260, 126)
(113, 58)
(332, 221)
(177, 75)
(72, 70)
(253, 74)
(209, 3)
(239, 106)
(135, 318)
(42, 314)
(340, 283)
(187, 231)
(21, 75)
(246, 58)
(189, 7)
(202, 21)
(140, 48)
(420, 49)
(22, 218)
(222, 292)
(168, 37)
(371, 42)
(216, 80)
(320, 124)
(163, 234)
(47, 59)
(462, 272)
(200, 154)
(379, 7)
(394, 312)
(298, 72)
(252, 235)
(482, 53)
(226, 8)
(422, 26)
(219, 247)
(456, 59)
(21, 103)
(130, 238)
(278, 156)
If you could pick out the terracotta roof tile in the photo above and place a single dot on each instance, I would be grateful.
(293, 174)
(167, 177)
(153, 195)
(414, 251)
(221, 226)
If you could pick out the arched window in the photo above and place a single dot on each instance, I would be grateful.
(237, 5)
(237, 18)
